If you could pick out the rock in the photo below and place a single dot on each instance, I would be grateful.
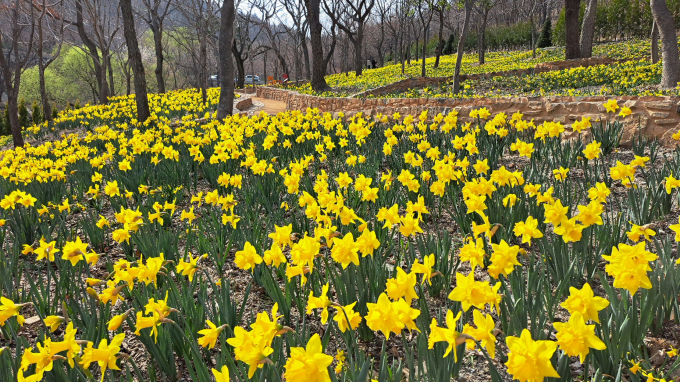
(659, 114)
(535, 105)
(659, 105)
(32, 320)
(665, 121)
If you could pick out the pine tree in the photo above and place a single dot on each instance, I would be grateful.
(37, 115)
(544, 40)
(2, 126)
(450, 43)
(23, 114)
(8, 127)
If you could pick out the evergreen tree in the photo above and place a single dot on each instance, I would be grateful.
(8, 127)
(2, 126)
(55, 112)
(450, 44)
(23, 114)
(37, 115)
(545, 40)
(77, 105)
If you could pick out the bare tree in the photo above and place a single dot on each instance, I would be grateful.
(154, 15)
(571, 16)
(18, 18)
(382, 17)
(227, 15)
(440, 7)
(483, 7)
(670, 75)
(467, 6)
(297, 11)
(527, 10)
(396, 23)
(355, 13)
(201, 17)
(98, 23)
(43, 62)
(135, 59)
(425, 12)
(243, 41)
(318, 81)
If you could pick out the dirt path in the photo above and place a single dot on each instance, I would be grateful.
(271, 106)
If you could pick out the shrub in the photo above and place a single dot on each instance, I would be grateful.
(37, 115)
(23, 113)
(450, 46)
(544, 40)
(3, 128)
(8, 128)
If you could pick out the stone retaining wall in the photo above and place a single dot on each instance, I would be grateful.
(657, 116)
(244, 104)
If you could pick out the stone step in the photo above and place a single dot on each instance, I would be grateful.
(659, 105)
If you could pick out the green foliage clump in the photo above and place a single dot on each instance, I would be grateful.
(23, 114)
(55, 111)
(7, 127)
(4, 128)
(545, 40)
(450, 47)
(37, 114)
(77, 105)
(502, 37)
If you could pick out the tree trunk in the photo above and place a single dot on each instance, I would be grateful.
(381, 53)
(226, 105)
(318, 81)
(417, 48)
(203, 80)
(571, 15)
(407, 47)
(481, 38)
(588, 29)
(135, 58)
(670, 75)
(305, 56)
(112, 90)
(103, 84)
(358, 43)
(13, 110)
(655, 43)
(99, 73)
(47, 110)
(440, 46)
(240, 69)
(423, 72)
(534, 36)
(158, 45)
(461, 46)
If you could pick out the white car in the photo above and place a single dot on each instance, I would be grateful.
(251, 78)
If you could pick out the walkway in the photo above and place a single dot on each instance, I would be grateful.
(271, 106)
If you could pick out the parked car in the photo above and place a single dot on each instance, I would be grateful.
(250, 79)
